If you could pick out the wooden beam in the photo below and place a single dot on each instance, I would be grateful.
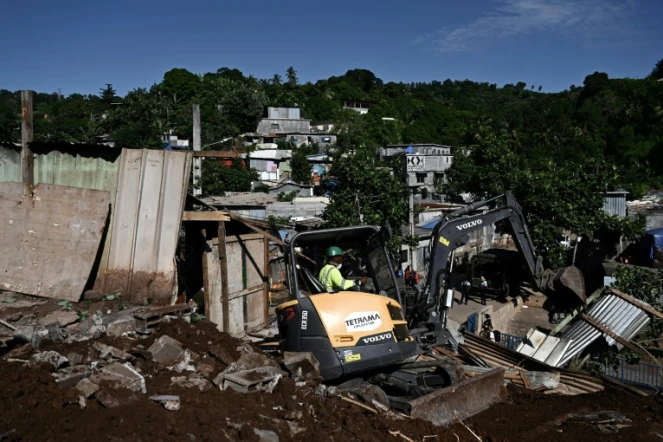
(206, 215)
(596, 324)
(223, 262)
(567, 320)
(652, 311)
(216, 154)
(265, 284)
(197, 164)
(250, 225)
(27, 158)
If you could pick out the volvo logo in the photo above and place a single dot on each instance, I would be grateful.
(377, 338)
(470, 224)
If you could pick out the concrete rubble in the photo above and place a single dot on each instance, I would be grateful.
(166, 351)
(120, 376)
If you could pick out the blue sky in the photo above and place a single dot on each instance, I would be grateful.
(79, 45)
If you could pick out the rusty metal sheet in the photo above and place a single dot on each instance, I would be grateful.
(49, 244)
(460, 401)
(150, 195)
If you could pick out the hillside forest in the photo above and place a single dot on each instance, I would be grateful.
(558, 152)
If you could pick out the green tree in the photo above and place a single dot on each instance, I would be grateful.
(657, 72)
(291, 76)
(108, 95)
(301, 168)
(217, 178)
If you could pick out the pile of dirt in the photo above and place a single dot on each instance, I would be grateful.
(608, 416)
(30, 395)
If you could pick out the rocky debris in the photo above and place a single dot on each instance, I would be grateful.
(372, 395)
(93, 295)
(50, 357)
(61, 318)
(261, 379)
(194, 380)
(303, 366)
(106, 352)
(166, 351)
(91, 328)
(115, 398)
(30, 334)
(250, 360)
(120, 376)
(221, 354)
(187, 362)
(70, 376)
(266, 436)
(169, 402)
(87, 388)
(121, 327)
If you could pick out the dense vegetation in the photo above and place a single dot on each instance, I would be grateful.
(557, 151)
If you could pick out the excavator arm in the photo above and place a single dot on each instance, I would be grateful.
(453, 232)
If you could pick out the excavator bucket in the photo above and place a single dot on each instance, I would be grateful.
(458, 401)
(572, 279)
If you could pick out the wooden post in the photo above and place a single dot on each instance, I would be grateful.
(27, 158)
(223, 262)
(197, 162)
(266, 285)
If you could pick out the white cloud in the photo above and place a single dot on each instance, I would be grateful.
(588, 19)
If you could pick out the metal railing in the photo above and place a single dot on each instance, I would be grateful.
(642, 374)
(510, 341)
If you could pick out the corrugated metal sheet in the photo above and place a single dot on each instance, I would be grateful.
(10, 163)
(620, 316)
(151, 190)
(494, 355)
(283, 113)
(614, 203)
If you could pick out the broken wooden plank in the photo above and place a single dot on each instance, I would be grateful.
(205, 215)
(652, 311)
(50, 242)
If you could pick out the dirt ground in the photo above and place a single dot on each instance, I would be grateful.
(34, 408)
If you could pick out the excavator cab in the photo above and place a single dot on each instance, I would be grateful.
(348, 331)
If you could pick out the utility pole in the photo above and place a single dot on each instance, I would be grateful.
(411, 223)
(27, 158)
(197, 161)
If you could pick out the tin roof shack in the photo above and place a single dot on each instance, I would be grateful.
(283, 120)
(146, 188)
(270, 164)
(288, 185)
(423, 164)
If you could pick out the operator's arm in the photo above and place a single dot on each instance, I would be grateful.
(338, 280)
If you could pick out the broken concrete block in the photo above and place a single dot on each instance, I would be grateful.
(50, 357)
(187, 362)
(91, 328)
(255, 379)
(75, 358)
(87, 388)
(221, 354)
(266, 436)
(120, 375)
(70, 376)
(166, 351)
(372, 395)
(61, 318)
(93, 295)
(194, 380)
(302, 366)
(106, 351)
(121, 327)
(114, 399)
(169, 402)
(295, 429)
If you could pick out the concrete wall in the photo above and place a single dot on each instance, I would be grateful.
(278, 126)
(502, 315)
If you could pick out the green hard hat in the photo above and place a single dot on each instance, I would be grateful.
(334, 251)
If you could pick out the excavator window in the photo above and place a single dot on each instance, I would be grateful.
(364, 256)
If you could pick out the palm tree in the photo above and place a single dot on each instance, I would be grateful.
(291, 75)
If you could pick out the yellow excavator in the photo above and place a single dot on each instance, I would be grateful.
(371, 334)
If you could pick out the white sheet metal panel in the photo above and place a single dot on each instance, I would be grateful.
(623, 318)
(546, 348)
(150, 196)
(50, 242)
(10, 164)
(536, 338)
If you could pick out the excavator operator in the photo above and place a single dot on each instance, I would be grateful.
(330, 275)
